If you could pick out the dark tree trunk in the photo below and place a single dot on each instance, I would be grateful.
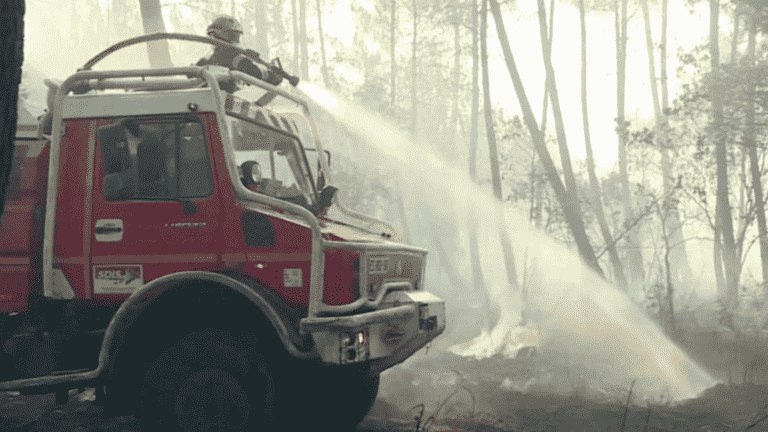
(12, 19)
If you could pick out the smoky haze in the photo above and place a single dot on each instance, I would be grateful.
(576, 320)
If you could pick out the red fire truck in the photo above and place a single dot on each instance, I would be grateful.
(171, 246)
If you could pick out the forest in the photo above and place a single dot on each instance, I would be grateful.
(445, 118)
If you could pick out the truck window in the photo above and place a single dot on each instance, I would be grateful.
(285, 173)
(145, 159)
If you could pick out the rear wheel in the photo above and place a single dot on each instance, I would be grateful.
(209, 380)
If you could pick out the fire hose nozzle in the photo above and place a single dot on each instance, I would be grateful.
(294, 80)
(278, 67)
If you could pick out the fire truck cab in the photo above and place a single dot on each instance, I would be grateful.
(169, 244)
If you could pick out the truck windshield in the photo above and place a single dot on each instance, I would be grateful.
(278, 156)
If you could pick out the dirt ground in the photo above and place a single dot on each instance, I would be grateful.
(458, 384)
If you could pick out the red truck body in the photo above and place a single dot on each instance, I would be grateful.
(131, 226)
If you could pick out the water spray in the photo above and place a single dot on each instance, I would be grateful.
(577, 314)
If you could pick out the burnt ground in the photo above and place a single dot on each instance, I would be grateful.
(437, 378)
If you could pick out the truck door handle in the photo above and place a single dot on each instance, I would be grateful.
(108, 229)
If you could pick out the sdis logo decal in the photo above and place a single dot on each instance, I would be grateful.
(117, 279)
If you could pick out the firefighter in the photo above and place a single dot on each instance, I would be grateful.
(227, 29)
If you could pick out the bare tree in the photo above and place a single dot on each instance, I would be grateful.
(751, 144)
(326, 79)
(634, 254)
(618, 267)
(735, 38)
(152, 20)
(456, 73)
(12, 17)
(296, 36)
(392, 56)
(726, 221)
(572, 198)
(303, 39)
(489, 131)
(261, 44)
(414, 107)
(572, 215)
(475, 98)
(678, 257)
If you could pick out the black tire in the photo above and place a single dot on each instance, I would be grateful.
(333, 398)
(209, 380)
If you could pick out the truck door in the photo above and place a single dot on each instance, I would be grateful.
(155, 207)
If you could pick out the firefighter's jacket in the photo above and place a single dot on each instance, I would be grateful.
(232, 59)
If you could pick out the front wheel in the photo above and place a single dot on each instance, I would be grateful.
(208, 381)
(332, 397)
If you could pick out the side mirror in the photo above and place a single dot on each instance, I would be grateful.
(326, 198)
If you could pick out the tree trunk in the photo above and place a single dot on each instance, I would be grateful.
(535, 211)
(475, 98)
(152, 20)
(303, 39)
(456, 85)
(295, 24)
(506, 241)
(414, 108)
(751, 142)
(582, 242)
(545, 104)
(489, 131)
(681, 267)
(717, 253)
(392, 56)
(735, 39)
(729, 246)
(572, 216)
(261, 44)
(634, 254)
(671, 321)
(326, 79)
(651, 65)
(12, 16)
(618, 267)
